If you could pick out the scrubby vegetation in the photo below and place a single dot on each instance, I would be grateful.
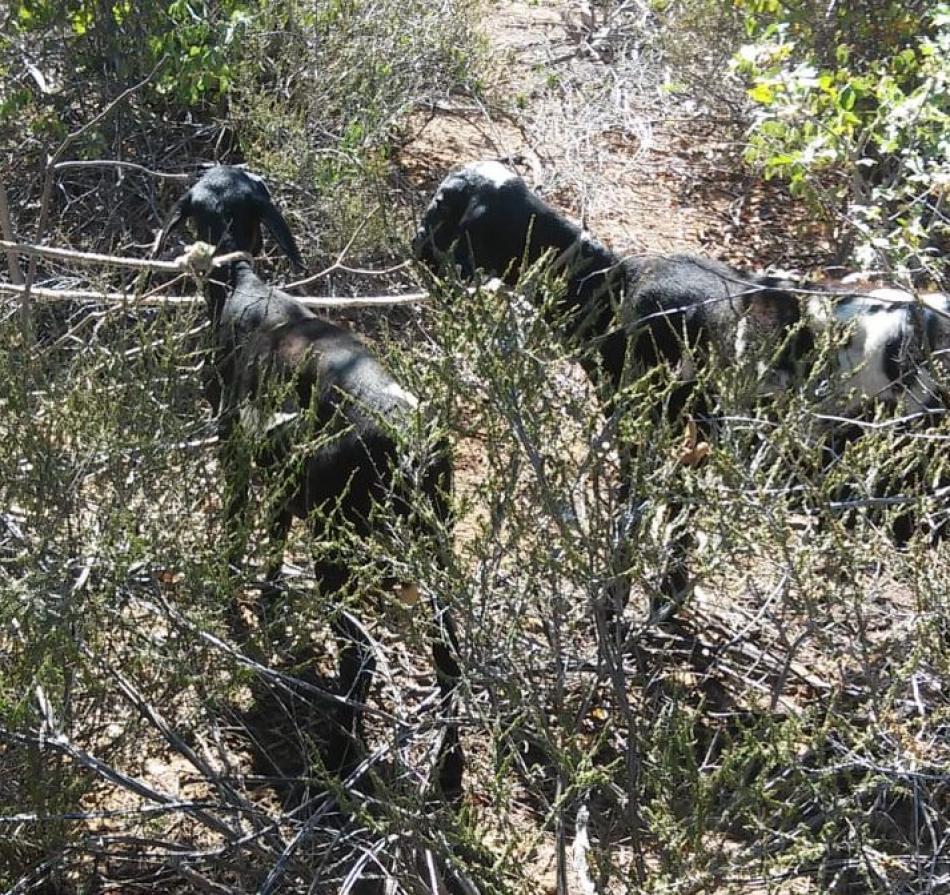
(785, 730)
(852, 109)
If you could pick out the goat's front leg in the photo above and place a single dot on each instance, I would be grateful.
(277, 531)
(235, 467)
(673, 580)
(625, 525)
(235, 459)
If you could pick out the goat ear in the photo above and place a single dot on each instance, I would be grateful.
(281, 232)
(179, 212)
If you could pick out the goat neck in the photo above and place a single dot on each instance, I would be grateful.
(221, 285)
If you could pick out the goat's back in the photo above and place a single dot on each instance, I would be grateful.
(248, 305)
(335, 414)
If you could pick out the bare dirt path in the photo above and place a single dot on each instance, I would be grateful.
(584, 115)
(589, 130)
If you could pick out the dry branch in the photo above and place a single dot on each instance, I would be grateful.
(194, 259)
(367, 301)
(130, 166)
(580, 850)
(182, 262)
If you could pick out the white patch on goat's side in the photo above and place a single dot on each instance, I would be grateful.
(871, 324)
(742, 338)
(862, 360)
(937, 301)
(494, 172)
(397, 391)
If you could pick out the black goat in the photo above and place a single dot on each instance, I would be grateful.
(328, 415)
(637, 311)
(644, 310)
(626, 315)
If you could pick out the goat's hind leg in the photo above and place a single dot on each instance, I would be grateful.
(356, 669)
(450, 762)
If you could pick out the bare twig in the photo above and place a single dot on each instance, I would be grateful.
(127, 166)
(580, 850)
(176, 266)
(365, 301)
(338, 264)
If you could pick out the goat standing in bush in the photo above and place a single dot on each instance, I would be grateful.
(627, 315)
(889, 354)
(328, 415)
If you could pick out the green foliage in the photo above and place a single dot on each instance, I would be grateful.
(852, 108)
(195, 44)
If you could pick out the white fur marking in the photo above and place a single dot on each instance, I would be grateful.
(863, 358)
(494, 172)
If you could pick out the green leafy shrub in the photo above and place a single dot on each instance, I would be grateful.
(193, 44)
(851, 107)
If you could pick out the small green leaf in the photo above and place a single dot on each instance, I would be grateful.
(847, 97)
(763, 94)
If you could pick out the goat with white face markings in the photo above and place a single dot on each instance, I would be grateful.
(895, 349)
(889, 356)
(314, 402)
